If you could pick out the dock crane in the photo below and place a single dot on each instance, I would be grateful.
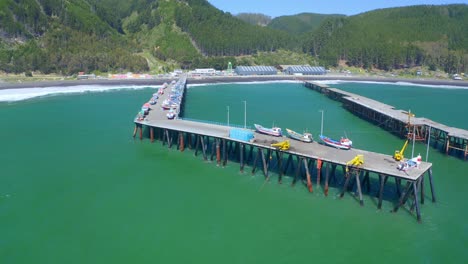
(284, 145)
(355, 162)
(399, 154)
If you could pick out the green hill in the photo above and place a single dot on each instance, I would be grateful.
(254, 18)
(436, 36)
(145, 35)
(300, 23)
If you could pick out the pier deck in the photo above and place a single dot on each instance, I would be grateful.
(303, 158)
(454, 140)
(374, 162)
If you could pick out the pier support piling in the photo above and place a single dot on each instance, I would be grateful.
(415, 192)
(254, 167)
(358, 184)
(309, 181)
(327, 176)
(218, 152)
(241, 153)
(345, 186)
(404, 196)
(135, 130)
(432, 186)
(181, 142)
(265, 164)
(319, 171)
(382, 180)
(298, 170)
(225, 153)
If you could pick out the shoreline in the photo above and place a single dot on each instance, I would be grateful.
(229, 79)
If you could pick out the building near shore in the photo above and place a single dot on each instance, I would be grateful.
(83, 76)
(203, 72)
(130, 75)
(256, 70)
(304, 70)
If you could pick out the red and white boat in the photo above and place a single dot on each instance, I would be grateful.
(343, 143)
(274, 131)
(145, 108)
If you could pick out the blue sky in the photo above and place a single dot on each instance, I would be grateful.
(276, 8)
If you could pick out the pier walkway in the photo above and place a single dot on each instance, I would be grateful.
(453, 140)
(300, 161)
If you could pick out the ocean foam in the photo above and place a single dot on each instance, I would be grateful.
(12, 95)
(435, 86)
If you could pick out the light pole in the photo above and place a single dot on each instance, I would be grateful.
(228, 115)
(321, 124)
(245, 114)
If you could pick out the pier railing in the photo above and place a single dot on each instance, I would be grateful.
(215, 123)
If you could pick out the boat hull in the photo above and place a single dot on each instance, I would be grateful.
(276, 132)
(301, 137)
(333, 143)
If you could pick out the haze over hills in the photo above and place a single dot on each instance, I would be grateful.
(147, 35)
(300, 23)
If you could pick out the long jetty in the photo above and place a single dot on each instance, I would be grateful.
(451, 140)
(309, 163)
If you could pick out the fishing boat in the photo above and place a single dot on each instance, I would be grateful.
(409, 164)
(305, 137)
(343, 143)
(171, 114)
(153, 100)
(274, 131)
(168, 104)
(145, 108)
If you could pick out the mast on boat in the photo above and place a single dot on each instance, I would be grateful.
(321, 125)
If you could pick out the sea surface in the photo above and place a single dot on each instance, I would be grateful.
(75, 187)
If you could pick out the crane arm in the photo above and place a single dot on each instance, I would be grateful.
(356, 161)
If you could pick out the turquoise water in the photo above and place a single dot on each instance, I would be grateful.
(75, 187)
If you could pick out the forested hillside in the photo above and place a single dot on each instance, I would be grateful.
(255, 18)
(300, 23)
(220, 34)
(63, 37)
(68, 36)
(435, 36)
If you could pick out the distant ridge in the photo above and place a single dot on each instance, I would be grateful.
(300, 23)
(67, 37)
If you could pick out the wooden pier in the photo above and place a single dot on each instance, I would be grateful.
(309, 163)
(453, 141)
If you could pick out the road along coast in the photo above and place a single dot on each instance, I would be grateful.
(229, 79)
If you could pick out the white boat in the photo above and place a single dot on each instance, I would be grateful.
(274, 131)
(171, 114)
(409, 164)
(305, 137)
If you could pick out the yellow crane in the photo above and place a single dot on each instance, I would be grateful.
(356, 161)
(399, 154)
(284, 145)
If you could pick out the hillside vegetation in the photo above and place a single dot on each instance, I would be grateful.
(254, 18)
(300, 23)
(436, 36)
(65, 37)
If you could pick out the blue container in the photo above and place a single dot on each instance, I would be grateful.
(240, 134)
